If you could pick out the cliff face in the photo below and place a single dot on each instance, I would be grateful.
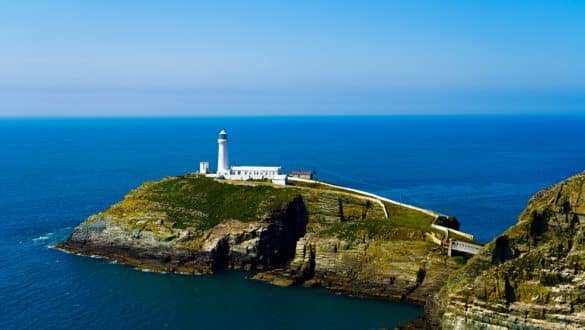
(195, 225)
(531, 276)
(403, 267)
(304, 234)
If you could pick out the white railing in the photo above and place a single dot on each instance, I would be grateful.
(379, 198)
(464, 247)
(448, 231)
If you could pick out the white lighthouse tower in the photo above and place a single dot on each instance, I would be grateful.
(223, 168)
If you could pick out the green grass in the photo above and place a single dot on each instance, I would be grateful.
(321, 186)
(197, 202)
(399, 215)
(462, 260)
(214, 201)
(401, 221)
(368, 229)
(402, 216)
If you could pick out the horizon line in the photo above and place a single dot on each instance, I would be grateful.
(326, 115)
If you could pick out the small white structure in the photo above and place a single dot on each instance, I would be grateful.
(307, 175)
(223, 167)
(224, 171)
(204, 167)
(463, 247)
(280, 179)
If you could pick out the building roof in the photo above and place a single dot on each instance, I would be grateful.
(255, 168)
(301, 172)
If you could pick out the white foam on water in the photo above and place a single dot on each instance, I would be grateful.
(94, 256)
(66, 251)
(43, 237)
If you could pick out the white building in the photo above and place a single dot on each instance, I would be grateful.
(204, 167)
(224, 171)
(254, 172)
(280, 179)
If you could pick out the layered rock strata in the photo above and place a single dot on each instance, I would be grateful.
(530, 277)
(304, 234)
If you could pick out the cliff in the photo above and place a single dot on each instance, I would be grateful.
(308, 234)
(531, 276)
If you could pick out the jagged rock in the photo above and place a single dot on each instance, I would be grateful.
(310, 235)
(532, 276)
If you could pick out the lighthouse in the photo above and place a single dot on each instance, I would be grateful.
(223, 167)
(243, 173)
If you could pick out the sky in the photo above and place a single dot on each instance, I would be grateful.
(191, 58)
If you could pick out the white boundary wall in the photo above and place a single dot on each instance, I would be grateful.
(444, 229)
(365, 193)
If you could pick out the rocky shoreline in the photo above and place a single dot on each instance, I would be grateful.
(531, 276)
(312, 236)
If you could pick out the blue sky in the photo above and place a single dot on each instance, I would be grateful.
(104, 58)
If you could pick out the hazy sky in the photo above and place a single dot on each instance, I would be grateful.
(87, 58)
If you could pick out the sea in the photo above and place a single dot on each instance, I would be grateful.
(54, 173)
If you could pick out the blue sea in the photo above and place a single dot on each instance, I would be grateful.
(56, 172)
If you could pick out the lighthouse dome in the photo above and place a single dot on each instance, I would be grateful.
(223, 134)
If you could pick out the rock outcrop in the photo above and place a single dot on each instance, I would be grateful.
(171, 226)
(306, 234)
(530, 277)
(400, 266)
